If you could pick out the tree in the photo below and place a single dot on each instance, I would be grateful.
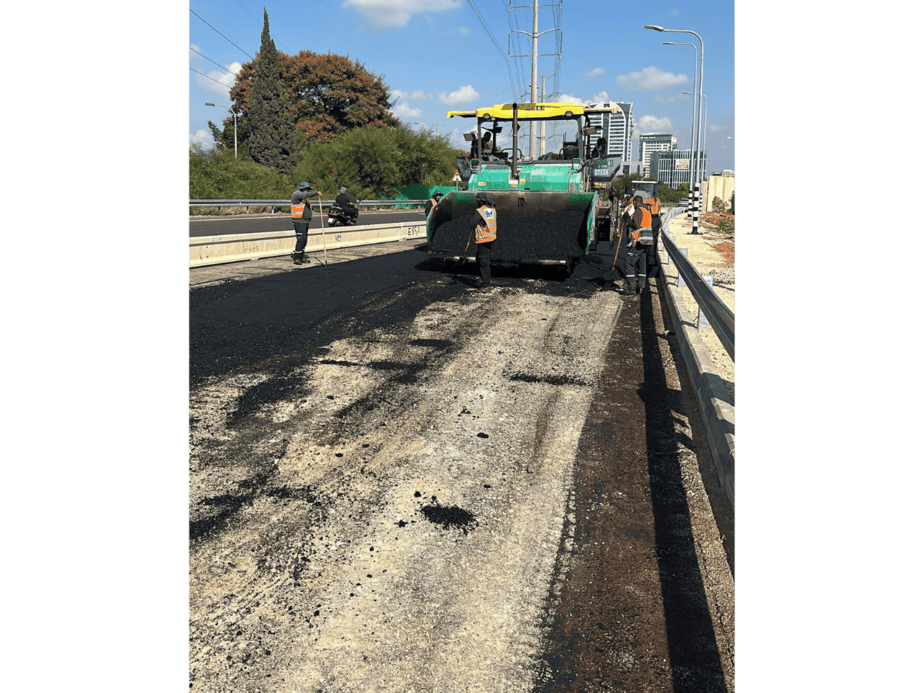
(270, 119)
(217, 135)
(376, 162)
(327, 95)
(332, 94)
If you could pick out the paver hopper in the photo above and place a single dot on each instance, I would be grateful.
(546, 207)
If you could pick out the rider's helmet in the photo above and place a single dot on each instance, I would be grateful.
(342, 191)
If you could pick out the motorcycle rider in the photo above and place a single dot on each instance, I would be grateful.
(348, 204)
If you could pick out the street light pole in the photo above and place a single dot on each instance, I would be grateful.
(702, 55)
(235, 123)
(705, 123)
(693, 121)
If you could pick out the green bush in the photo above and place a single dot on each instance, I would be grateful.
(718, 205)
(376, 163)
(726, 225)
(217, 175)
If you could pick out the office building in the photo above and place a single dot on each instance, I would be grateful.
(654, 142)
(672, 167)
(618, 129)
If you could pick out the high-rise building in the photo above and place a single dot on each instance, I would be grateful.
(618, 129)
(654, 142)
(672, 166)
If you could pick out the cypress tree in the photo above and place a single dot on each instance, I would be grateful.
(271, 123)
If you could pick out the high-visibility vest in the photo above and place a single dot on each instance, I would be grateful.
(433, 203)
(487, 232)
(298, 210)
(643, 235)
(653, 204)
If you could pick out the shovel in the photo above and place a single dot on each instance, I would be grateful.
(323, 237)
(461, 260)
(609, 282)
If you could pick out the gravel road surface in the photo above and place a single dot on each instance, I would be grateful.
(401, 484)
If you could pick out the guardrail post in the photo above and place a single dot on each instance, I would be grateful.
(680, 283)
(702, 323)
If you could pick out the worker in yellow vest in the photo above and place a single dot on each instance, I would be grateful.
(484, 224)
(639, 238)
(301, 218)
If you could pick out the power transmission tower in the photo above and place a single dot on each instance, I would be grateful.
(535, 55)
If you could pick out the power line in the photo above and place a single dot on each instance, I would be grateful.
(212, 61)
(207, 77)
(261, 24)
(225, 37)
(496, 45)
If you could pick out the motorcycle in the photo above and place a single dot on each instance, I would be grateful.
(337, 217)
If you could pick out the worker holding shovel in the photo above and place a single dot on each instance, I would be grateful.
(301, 218)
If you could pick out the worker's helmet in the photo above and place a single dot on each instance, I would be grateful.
(303, 185)
(437, 194)
(342, 191)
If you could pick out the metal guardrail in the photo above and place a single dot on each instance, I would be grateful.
(719, 315)
(288, 203)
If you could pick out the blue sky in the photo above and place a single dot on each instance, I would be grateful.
(437, 56)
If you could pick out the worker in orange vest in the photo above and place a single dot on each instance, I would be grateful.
(301, 218)
(639, 238)
(484, 224)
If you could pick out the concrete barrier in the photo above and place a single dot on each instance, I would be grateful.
(215, 250)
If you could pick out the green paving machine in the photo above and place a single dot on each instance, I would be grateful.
(550, 210)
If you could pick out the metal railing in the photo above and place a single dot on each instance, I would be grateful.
(288, 203)
(720, 317)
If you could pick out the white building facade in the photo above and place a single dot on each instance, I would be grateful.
(673, 166)
(618, 129)
(654, 142)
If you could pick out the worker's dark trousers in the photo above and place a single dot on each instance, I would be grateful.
(301, 236)
(636, 267)
(483, 256)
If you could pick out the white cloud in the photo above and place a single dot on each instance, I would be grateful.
(599, 97)
(461, 95)
(651, 78)
(570, 98)
(221, 81)
(402, 110)
(203, 137)
(648, 123)
(464, 30)
(385, 15)
(596, 72)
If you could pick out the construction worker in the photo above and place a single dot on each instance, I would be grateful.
(301, 218)
(484, 225)
(639, 237)
(432, 202)
(348, 204)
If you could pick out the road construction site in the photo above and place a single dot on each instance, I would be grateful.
(401, 484)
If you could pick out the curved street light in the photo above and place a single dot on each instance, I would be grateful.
(702, 54)
(693, 121)
(705, 124)
(219, 105)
